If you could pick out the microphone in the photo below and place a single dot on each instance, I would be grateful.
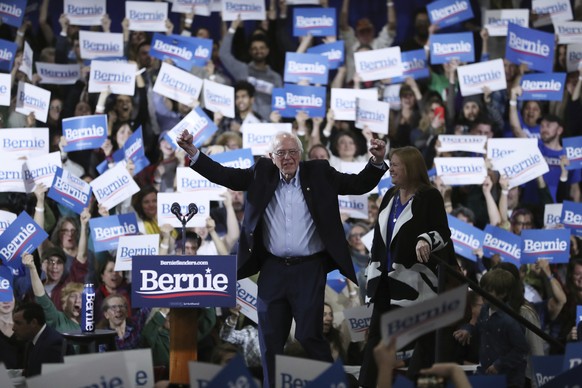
(192, 211)
(175, 209)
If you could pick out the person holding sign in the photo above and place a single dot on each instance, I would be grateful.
(412, 225)
(292, 233)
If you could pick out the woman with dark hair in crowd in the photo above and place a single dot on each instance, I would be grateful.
(110, 282)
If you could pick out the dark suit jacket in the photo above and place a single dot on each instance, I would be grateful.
(48, 349)
(320, 183)
(423, 218)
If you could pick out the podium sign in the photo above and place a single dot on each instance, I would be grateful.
(184, 281)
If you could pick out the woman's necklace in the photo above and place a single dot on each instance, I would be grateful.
(398, 206)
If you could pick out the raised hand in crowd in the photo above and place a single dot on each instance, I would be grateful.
(106, 23)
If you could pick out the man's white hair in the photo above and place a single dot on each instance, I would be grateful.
(282, 135)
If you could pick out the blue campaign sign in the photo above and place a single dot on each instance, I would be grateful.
(415, 65)
(552, 245)
(70, 191)
(242, 158)
(313, 68)
(204, 128)
(133, 150)
(572, 217)
(446, 13)
(294, 98)
(105, 231)
(234, 374)
(503, 243)
(84, 132)
(12, 12)
(543, 86)
(466, 238)
(104, 165)
(336, 281)
(573, 147)
(7, 53)
(334, 376)
(532, 47)
(384, 185)
(334, 52)
(545, 368)
(578, 314)
(185, 52)
(572, 355)
(6, 289)
(569, 378)
(446, 47)
(314, 21)
(21, 237)
(481, 381)
(183, 281)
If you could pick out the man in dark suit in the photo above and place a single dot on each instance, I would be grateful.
(45, 344)
(292, 233)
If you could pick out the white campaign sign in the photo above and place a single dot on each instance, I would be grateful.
(522, 166)
(552, 214)
(189, 181)
(409, 323)
(130, 246)
(57, 74)
(474, 77)
(219, 98)
(461, 171)
(358, 321)
(568, 32)
(103, 368)
(496, 20)
(201, 373)
(343, 101)
(379, 64)
(85, 12)
(177, 84)
(497, 149)
(258, 136)
(5, 87)
(573, 57)
(247, 9)
(100, 44)
(24, 142)
(5, 380)
(6, 218)
(11, 175)
(32, 99)
(120, 77)
(466, 143)
(165, 216)
(356, 206)
(114, 186)
(41, 169)
(26, 65)
(199, 7)
(246, 297)
(551, 10)
(373, 114)
(391, 95)
(146, 15)
(288, 370)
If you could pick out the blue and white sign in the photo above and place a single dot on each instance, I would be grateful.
(120, 78)
(569, 378)
(21, 237)
(6, 290)
(573, 57)
(334, 52)
(343, 101)
(190, 181)
(178, 85)
(219, 98)
(7, 53)
(578, 314)
(200, 126)
(531, 47)
(313, 68)
(70, 191)
(146, 15)
(446, 13)
(246, 298)
(199, 7)
(241, 158)
(293, 98)
(84, 132)
(105, 231)
(100, 44)
(85, 12)
(543, 86)
(461, 170)
(334, 376)
(114, 186)
(18, 142)
(32, 99)
(134, 150)
(573, 147)
(463, 143)
(415, 65)
(572, 356)
(572, 217)
(474, 77)
(178, 281)
(356, 206)
(12, 12)
(496, 20)
(130, 246)
(5, 89)
(258, 136)
(336, 281)
(185, 52)
(378, 64)
(552, 245)
(58, 74)
(6, 218)
(358, 321)
(466, 238)
(568, 32)
(105, 164)
(500, 242)
(372, 114)
(384, 185)
(12, 175)
(295, 371)
(549, 11)
(233, 374)
(41, 170)
(545, 368)
(522, 166)
(246, 9)
(446, 47)
(314, 21)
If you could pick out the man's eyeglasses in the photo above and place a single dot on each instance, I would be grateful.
(283, 153)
